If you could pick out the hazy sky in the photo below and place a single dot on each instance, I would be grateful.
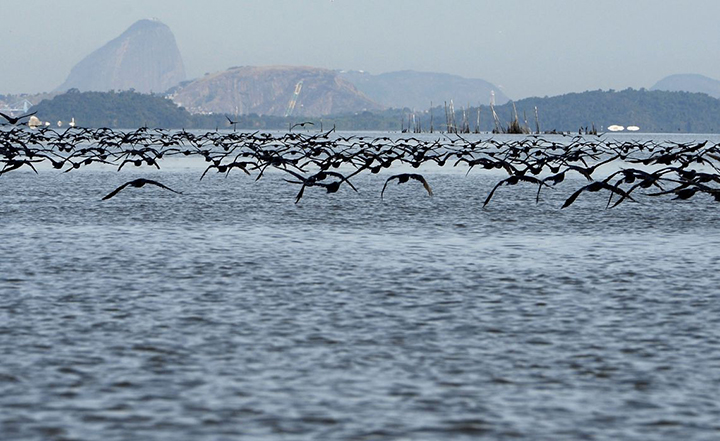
(526, 47)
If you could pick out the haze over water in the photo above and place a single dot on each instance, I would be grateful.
(525, 48)
(229, 312)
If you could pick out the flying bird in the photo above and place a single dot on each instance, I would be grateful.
(302, 124)
(597, 186)
(138, 183)
(233, 123)
(14, 120)
(513, 180)
(314, 181)
(404, 177)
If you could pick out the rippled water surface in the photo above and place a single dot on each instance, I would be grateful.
(229, 312)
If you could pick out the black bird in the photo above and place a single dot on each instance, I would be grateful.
(14, 120)
(404, 177)
(234, 123)
(14, 164)
(137, 183)
(685, 190)
(597, 186)
(314, 181)
(513, 180)
(302, 124)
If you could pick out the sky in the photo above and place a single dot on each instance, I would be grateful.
(524, 47)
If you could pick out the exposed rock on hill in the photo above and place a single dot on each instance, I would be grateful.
(144, 57)
(693, 83)
(272, 90)
(416, 90)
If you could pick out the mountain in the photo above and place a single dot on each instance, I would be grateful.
(689, 83)
(653, 111)
(126, 109)
(272, 90)
(415, 90)
(144, 57)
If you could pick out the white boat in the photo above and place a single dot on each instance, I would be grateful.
(633, 128)
(616, 128)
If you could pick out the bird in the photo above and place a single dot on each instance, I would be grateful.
(138, 183)
(302, 124)
(597, 186)
(14, 120)
(314, 181)
(513, 180)
(233, 123)
(404, 177)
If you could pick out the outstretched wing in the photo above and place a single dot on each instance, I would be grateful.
(342, 179)
(424, 182)
(572, 197)
(386, 183)
(492, 192)
(300, 194)
(149, 181)
(116, 191)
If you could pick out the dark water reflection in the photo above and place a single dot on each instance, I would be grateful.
(229, 312)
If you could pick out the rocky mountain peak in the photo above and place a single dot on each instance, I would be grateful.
(145, 57)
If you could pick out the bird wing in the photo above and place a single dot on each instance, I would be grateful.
(493, 191)
(672, 190)
(614, 189)
(424, 182)
(116, 191)
(386, 183)
(572, 197)
(149, 181)
(9, 118)
(10, 167)
(342, 179)
(300, 194)
(297, 175)
(532, 180)
(206, 170)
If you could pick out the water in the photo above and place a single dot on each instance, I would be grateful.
(229, 312)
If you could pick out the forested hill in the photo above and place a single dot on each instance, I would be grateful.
(126, 109)
(652, 111)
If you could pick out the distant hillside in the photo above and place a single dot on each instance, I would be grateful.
(416, 90)
(689, 83)
(272, 90)
(652, 111)
(129, 109)
(124, 110)
(144, 57)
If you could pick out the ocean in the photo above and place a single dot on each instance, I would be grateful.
(231, 312)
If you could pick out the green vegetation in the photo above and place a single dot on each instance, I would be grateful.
(126, 109)
(652, 111)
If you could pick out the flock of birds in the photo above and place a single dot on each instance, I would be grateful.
(329, 160)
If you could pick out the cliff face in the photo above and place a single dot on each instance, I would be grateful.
(272, 90)
(144, 57)
(417, 89)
